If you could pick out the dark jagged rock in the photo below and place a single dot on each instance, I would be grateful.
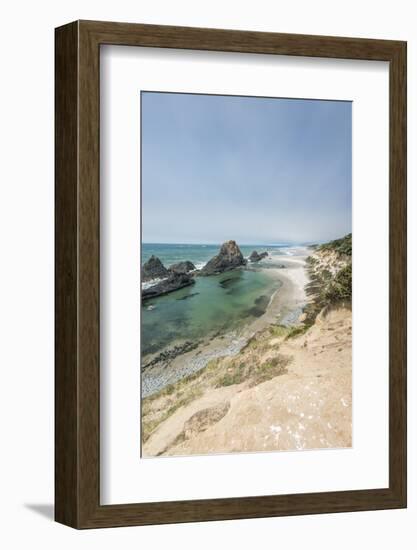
(175, 281)
(255, 257)
(182, 267)
(227, 283)
(169, 355)
(229, 257)
(187, 296)
(154, 269)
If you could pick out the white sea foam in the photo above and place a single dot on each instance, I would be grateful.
(151, 283)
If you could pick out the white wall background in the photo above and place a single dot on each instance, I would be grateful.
(26, 271)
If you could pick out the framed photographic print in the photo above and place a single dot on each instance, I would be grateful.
(230, 274)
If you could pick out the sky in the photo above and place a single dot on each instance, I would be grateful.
(256, 170)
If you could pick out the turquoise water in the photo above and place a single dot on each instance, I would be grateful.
(213, 305)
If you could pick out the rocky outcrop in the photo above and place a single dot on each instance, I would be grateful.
(169, 355)
(175, 281)
(255, 257)
(229, 257)
(154, 269)
(182, 267)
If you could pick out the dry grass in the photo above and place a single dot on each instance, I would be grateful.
(253, 372)
(297, 330)
(158, 407)
(257, 362)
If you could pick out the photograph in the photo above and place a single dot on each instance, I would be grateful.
(187, 360)
(246, 274)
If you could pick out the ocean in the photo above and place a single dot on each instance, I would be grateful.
(214, 305)
(199, 254)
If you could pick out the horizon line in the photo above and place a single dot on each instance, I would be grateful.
(219, 243)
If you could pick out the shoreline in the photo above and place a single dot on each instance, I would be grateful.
(285, 307)
(283, 382)
(286, 390)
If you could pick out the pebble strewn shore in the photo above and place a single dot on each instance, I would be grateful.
(160, 375)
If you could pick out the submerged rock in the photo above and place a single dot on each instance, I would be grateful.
(187, 296)
(182, 267)
(154, 269)
(259, 308)
(228, 258)
(175, 281)
(227, 283)
(255, 257)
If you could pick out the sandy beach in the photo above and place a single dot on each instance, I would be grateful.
(279, 384)
(285, 307)
(306, 406)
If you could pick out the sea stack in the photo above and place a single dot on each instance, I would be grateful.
(154, 269)
(255, 257)
(175, 281)
(229, 257)
(182, 267)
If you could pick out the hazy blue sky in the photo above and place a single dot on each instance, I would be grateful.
(255, 170)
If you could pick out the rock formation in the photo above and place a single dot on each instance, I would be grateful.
(228, 258)
(255, 257)
(153, 269)
(182, 267)
(175, 281)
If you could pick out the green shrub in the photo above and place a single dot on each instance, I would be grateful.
(253, 372)
(340, 288)
(271, 368)
(278, 330)
(235, 375)
(297, 331)
(342, 246)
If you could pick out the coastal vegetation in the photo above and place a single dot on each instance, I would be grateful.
(256, 363)
(204, 397)
(284, 382)
(330, 272)
(342, 246)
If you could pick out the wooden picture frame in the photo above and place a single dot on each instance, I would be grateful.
(77, 359)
